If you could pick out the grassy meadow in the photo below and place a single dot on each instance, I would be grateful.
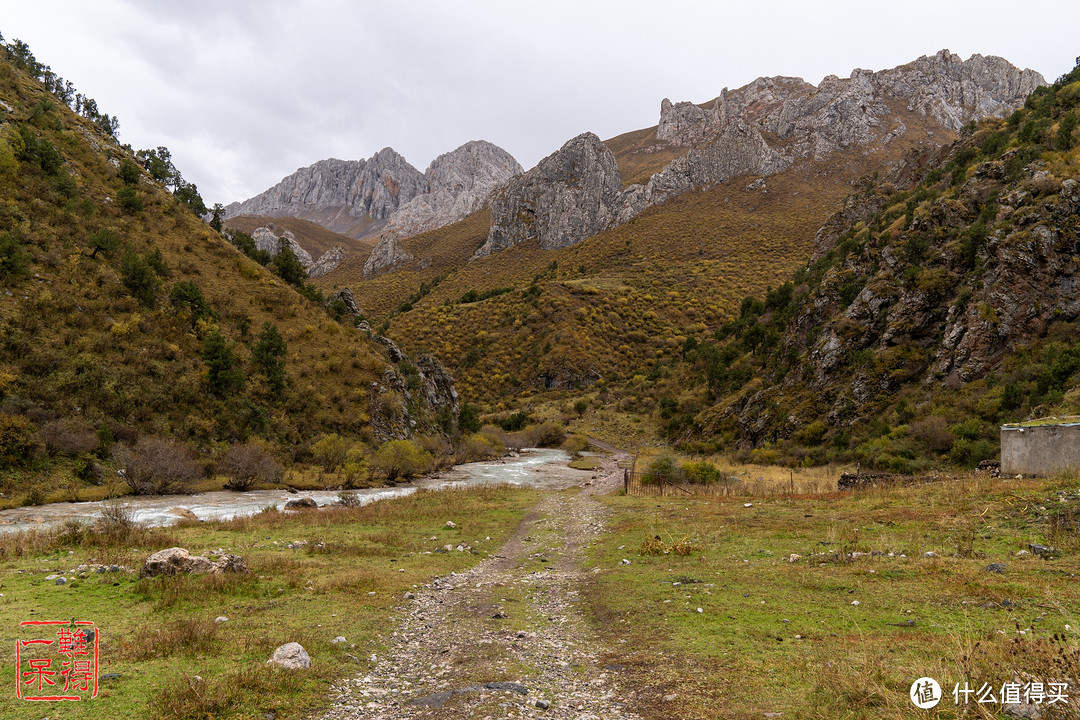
(829, 606)
(347, 571)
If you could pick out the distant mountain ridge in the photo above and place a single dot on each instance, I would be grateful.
(760, 129)
(361, 198)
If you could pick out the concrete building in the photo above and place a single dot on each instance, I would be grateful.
(1040, 449)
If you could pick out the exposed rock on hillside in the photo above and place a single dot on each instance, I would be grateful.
(266, 239)
(568, 196)
(387, 253)
(411, 397)
(333, 192)
(326, 262)
(760, 129)
(459, 183)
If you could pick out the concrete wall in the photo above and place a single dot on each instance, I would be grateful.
(1041, 450)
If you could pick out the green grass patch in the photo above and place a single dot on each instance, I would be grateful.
(828, 606)
(345, 574)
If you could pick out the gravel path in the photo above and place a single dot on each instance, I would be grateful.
(506, 639)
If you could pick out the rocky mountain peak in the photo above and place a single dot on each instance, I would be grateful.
(759, 129)
(459, 184)
(571, 194)
(335, 193)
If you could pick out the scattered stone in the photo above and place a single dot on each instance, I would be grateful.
(996, 567)
(409, 596)
(509, 686)
(543, 704)
(61, 581)
(1022, 553)
(855, 603)
(221, 619)
(1042, 550)
(669, 698)
(625, 561)
(435, 701)
(291, 656)
(793, 557)
(301, 504)
(450, 524)
(338, 640)
(930, 554)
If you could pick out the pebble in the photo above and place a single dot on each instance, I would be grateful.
(61, 581)
(221, 619)
(855, 603)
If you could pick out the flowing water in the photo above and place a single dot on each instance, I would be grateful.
(539, 468)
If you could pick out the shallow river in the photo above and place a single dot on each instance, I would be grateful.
(541, 468)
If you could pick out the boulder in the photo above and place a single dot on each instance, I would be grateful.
(291, 656)
(177, 560)
(301, 504)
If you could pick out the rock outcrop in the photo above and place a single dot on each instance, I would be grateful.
(570, 195)
(459, 183)
(267, 239)
(760, 129)
(411, 397)
(387, 253)
(337, 192)
(328, 261)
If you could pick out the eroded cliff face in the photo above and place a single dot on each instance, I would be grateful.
(760, 129)
(460, 183)
(335, 192)
(570, 195)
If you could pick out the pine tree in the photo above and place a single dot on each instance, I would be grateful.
(269, 355)
(222, 371)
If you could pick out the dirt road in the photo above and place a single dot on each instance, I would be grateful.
(507, 639)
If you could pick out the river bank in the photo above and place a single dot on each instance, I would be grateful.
(540, 468)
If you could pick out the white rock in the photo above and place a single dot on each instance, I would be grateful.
(291, 656)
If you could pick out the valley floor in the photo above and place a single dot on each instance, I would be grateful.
(510, 637)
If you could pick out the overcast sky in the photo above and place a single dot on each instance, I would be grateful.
(244, 92)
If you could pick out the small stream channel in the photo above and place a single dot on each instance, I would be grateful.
(536, 468)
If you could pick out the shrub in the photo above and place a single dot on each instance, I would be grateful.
(438, 447)
(400, 459)
(664, 468)
(329, 451)
(348, 499)
(129, 171)
(129, 200)
(934, 433)
(549, 434)
(355, 465)
(155, 466)
(248, 464)
(18, 441)
(575, 444)
(477, 447)
(13, 261)
(702, 473)
(138, 277)
(68, 437)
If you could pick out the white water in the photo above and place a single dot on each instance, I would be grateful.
(540, 468)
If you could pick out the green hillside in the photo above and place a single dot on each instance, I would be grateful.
(123, 315)
(929, 315)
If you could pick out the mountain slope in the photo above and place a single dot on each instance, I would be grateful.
(680, 268)
(928, 314)
(122, 314)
